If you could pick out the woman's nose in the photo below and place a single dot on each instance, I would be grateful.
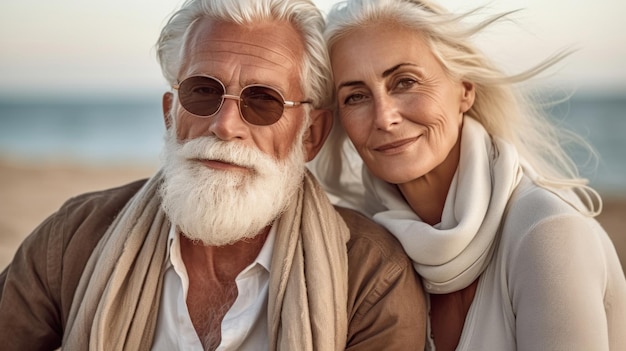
(387, 112)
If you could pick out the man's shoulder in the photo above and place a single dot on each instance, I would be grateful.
(383, 288)
(370, 238)
(89, 214)
(102, 201)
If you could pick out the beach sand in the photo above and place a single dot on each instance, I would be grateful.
(29, 194)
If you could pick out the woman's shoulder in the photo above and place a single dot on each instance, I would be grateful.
(532, 207)
(541, 226)
(529, 199)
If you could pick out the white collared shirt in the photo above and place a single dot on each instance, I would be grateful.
(244, 326)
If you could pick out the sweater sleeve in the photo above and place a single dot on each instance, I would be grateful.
(558, 280)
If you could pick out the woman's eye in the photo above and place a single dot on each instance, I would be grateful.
(354, 99)
(405, 83)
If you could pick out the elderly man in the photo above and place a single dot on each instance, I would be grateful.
(231, 245)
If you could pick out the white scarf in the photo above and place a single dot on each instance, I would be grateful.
(453, 253)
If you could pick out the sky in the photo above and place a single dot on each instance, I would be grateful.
(85, 47)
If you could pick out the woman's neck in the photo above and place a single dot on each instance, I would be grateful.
(427, 194)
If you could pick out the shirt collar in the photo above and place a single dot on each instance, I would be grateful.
(175, 259)
(265, 256)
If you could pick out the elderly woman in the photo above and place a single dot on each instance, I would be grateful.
(473, 182)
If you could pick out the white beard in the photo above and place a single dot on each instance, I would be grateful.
(222, 207)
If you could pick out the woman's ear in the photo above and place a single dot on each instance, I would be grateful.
(168, 99)
(469, 94)
(315, 136)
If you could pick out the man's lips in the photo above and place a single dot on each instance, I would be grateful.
(222, 165)
(396, 146)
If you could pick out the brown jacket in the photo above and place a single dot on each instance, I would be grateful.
(386, 308)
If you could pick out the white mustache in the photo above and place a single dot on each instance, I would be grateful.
(211, 148)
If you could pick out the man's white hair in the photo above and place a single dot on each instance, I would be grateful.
(315, 75)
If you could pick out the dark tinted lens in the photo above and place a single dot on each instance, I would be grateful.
(201, 96)
(261, 105)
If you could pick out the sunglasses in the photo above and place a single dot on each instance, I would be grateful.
(259, 104)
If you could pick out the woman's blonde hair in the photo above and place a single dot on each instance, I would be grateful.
(503, 109)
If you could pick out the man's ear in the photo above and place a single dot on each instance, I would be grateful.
(469, 94)
(168, 100)
(315, 136)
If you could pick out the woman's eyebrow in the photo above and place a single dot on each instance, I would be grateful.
(385, 74)
(396, 67)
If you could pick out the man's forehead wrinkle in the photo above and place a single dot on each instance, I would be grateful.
(251, 49)
(266, 58)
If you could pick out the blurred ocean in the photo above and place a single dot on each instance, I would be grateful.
(96, 132)
(130, 132)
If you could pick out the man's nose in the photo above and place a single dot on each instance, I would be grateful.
(227, 123)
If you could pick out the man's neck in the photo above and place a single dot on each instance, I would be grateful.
(220, 263)
(212, 271)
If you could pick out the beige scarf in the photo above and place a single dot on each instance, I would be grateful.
(117, 300)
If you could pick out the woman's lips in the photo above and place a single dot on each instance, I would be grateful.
(396, 146)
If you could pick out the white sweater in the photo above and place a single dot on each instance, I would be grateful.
(554, 282)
